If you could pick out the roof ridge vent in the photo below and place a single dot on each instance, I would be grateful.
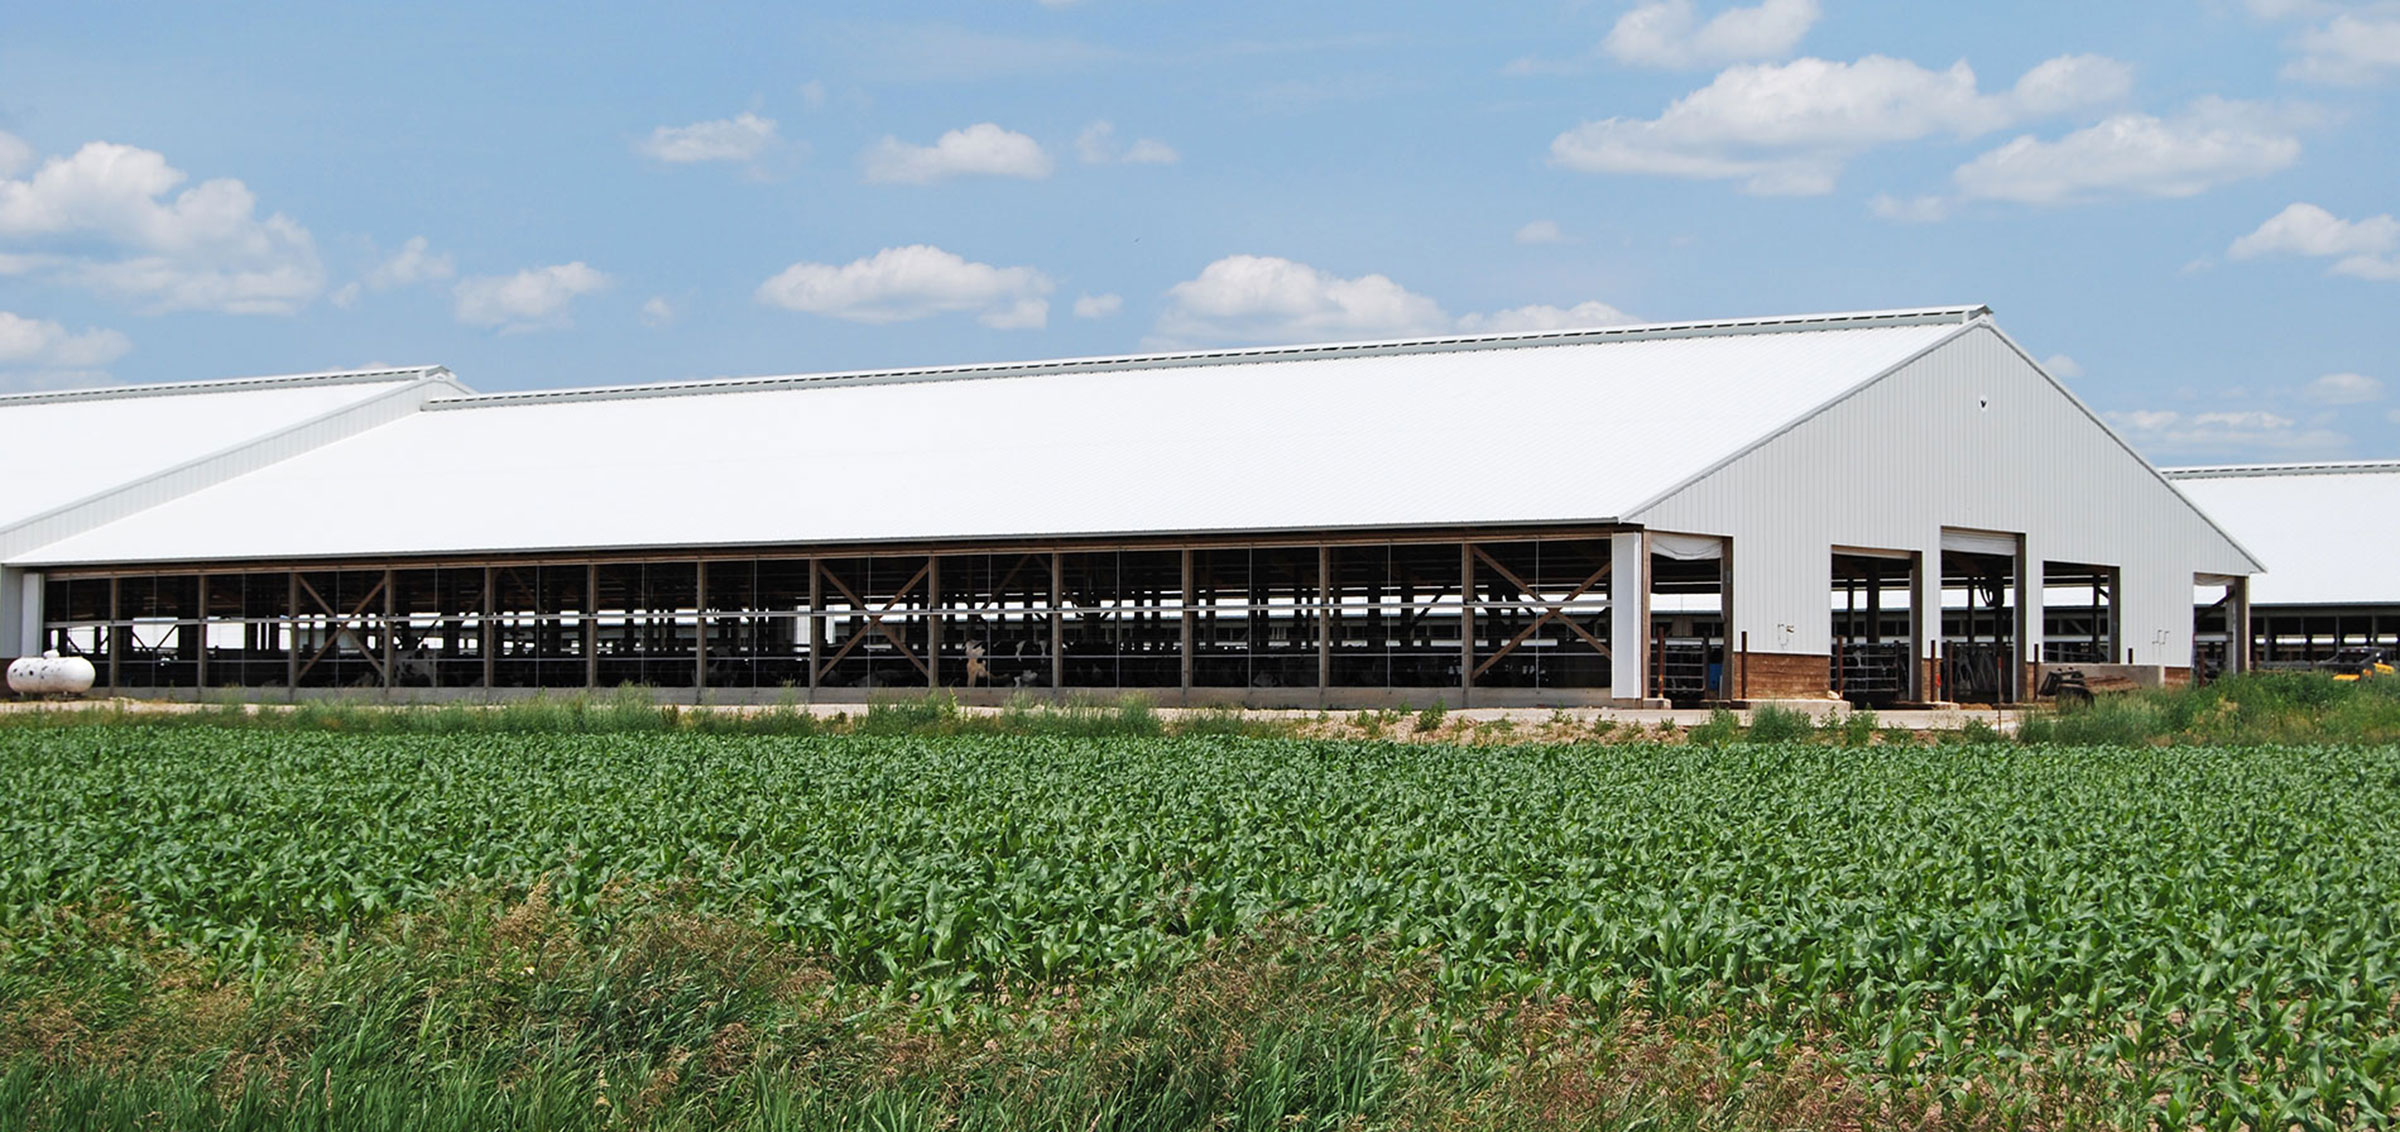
(1918, 316)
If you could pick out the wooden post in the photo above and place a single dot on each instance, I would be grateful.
(1745, 665)
(1466, 623)
(933, 620)
(491, 632)
(1325, 622)
(200, 654)
(816, 623)
(1058, 621)
(390, 651)
(2238, 621)
(700, 629)
(291, 658)
(116, 642)
(591, 623)
(1188, 617)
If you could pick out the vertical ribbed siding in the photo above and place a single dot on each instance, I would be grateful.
(1970, 435)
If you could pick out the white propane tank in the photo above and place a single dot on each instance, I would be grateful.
(50, 675)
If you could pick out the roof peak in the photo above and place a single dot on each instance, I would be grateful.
(2308, 468)
(1726, 327)
(232, 384)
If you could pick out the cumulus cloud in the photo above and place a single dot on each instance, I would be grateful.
(102, 219)
(1269, 299)
(536, 298)
(1668, 33)
(1541, 232)
(983, 149)
(2367, 249)
(1789, 128)
(40, 354)
(1098, 306)
(1909, 210)
(414, 263)
(2353, 48)
(2163, 434)
(1097, 145)
(1252, 298)
(2060, 365)
(742, 137)
(15, 154)
(2132, 154)
(1585, 314)
(2343, 389)
(900, 284)
(658, 312)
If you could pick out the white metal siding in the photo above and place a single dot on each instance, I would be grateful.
(1970, 435)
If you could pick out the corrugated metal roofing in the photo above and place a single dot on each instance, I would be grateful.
(1514, 428)
(70, 445)
(2324, 529)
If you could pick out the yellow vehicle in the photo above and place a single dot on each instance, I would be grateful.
(2357, 663)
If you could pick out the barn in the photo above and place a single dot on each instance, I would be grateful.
(2325, 594)
(1882, 506)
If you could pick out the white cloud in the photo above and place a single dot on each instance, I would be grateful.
(1540, 317)
(37, 342)
(2362, 248)
(533, 299)
(1251, 298)
(1097, 145)
(101, 219)
(2165, 433)
(981, 149)
(1668, 33)
(658, 312)
(1098, 306)
(1268, 299)
(414, 263)
(15, 155)
(2214, 142)
(40, 354)
(742, 137)
(900, 284)
(2060, 365)
(1790, 128)
(1911, 210)
(2344, 389)
(2352, 49)
(1541, 232)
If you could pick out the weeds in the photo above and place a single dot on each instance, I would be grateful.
(1771, 724)
(2247, 707)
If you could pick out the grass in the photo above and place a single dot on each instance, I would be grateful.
(2249, 707)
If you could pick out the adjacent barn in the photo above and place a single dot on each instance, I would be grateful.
(2335, 584)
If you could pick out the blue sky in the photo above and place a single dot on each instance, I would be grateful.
(2188, 204)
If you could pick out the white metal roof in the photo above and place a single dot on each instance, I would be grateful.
(1544, 427)
(2326, 529)
(67, 446)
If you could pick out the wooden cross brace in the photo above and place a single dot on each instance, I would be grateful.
(1549, 612)
(875, 621)
(342, 627)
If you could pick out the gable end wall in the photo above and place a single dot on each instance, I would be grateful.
(1970, 435)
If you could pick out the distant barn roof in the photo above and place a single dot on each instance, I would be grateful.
(2325, 527)
(1546, 427)
(67, 448)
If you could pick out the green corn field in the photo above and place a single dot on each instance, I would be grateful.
(2181, 936)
